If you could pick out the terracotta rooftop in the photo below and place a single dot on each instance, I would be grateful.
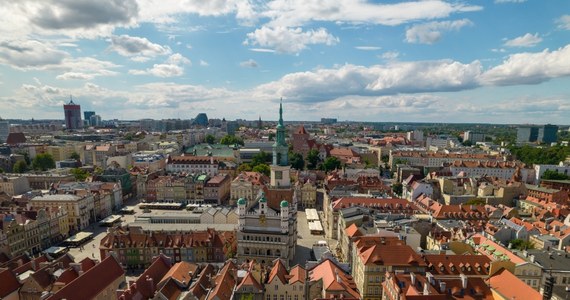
(297, 274)
(278, 271)
(442, 264)
(352, 231)
(225, 282)
(390, 255)
(92, 282)
(249, 280)
(510, 287)
(9, 283)
(182, 272)
(334, 279)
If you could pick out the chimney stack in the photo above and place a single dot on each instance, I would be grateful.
(150, 283)
(463, 280)
(442, 286)
(413, 278)
(426, 288)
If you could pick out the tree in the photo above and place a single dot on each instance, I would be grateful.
(210, 139)
(260, 158)
(521, 244)
(20, 167)
(475, 202)
(1, 170)
(75, 156)
(331, 163)
(43, 162)
(297, 161)
(231, 140)
(271, 136)
(313, 159)
(553, 175)
(80, 174)
(245, 167)
(263, 169)
(397, 188)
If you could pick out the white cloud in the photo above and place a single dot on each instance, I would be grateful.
(263, 50)
(289, 40)
(75, 76)
(136, 46)
(250, 63)
(390, 55)
(166, 11)
(430, 33)
(29, 54)
(172, 67)
(367, 48)
(564, 22)
(74, 18)
(510, 1)
(204, 63)
(527, 40)
(530, 68)
(290, 13)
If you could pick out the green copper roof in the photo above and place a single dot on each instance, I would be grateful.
(241, 201)
(262, 199)
(284, 203)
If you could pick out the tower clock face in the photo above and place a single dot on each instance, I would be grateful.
(262, 219)
(278, 175)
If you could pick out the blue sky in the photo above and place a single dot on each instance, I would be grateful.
(502, 61)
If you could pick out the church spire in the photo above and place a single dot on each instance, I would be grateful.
(281, 112)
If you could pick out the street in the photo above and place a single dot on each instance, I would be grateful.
(305, 240)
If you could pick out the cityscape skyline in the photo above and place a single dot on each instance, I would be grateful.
(414, 61)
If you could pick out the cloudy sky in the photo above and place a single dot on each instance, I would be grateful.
(501, 61)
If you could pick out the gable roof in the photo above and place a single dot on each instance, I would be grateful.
(297, 274)
(225, 282)
(510, 287)
(9, 282)
(334, 278)
(92, 282)
(391, 255)
(249, 280)
(352, 230)
(278, 271)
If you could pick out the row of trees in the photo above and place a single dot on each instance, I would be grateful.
(42, 162)
(544, 155)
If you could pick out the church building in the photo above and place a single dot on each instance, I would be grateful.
(267, 227)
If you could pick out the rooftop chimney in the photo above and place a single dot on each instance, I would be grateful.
(413, 278)
(463, 281)
(442, 285)
(426, 288)
(150, 283)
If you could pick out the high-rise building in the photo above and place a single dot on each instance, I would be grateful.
(95, 120)
(537, 134)
(473, 137)
(87, 116)
(72, 115)
(527, 134)
(547, 134)
(4, 130)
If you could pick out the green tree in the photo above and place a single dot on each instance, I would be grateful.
(475, 202)
(271, 136)
(263, 169)
(540, 155)
(43, 162)
(20, 167)
(231, 140)
(260, 158)
(297, 161)
(1, 170)
(313, 159)
(331, 163)
(245, 167)
(397, 188)
(75, 156)
(80, 174)
(521, 244)
(210, 139)
(553, 175)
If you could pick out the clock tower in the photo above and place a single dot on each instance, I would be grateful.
(280, 169)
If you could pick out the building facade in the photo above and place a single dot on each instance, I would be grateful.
(72, 113)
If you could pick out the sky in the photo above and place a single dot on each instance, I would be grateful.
(483, 61)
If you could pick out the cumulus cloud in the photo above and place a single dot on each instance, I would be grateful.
(166, 11)
(564, 22)
(390, 55)
(250, 63)
(75, 76)
(289, 40)
(527, 40)
(291, 13)
(510, 1)
(172, 67)
(75, 18)
(204, 63)
(29, 54)
(530, 68)
(136, 46)
(432, 32)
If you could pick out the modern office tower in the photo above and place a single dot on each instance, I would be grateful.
(527, 134)
(473, 137)
(72, 115)
(87, 116)
(201, 119)
(4, 130)
(547, 134)
(537, 134)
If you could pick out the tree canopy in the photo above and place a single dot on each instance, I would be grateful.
(260, 158)
(397, 188)
(331, 163)
(20, 167)
(313, 159)
(80, 174)
(210, 139)
(43, 162)
(75, 156)
(263, 169)
(231, 140)
(540, 155)
(553, 175)
(297, 161)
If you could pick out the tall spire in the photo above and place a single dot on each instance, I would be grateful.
(281, 112)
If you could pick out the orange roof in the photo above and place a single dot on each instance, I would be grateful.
(225, 283)
(334, 278)
(249, 280)
(481, 240)
(280, 271)
(183, 272)
(92, 282)
(352, 231)
(297, 274)
(457, 264)
(510, 287)
(390, 255)
(9, 282)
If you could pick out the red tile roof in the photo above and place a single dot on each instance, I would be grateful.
(297, 274)
(249, 280)
(352, 231)
(510, 287)
(278, 271)
(9, 282)
(92, 282)
(391, 255)
(225, 282)
(334, 279)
